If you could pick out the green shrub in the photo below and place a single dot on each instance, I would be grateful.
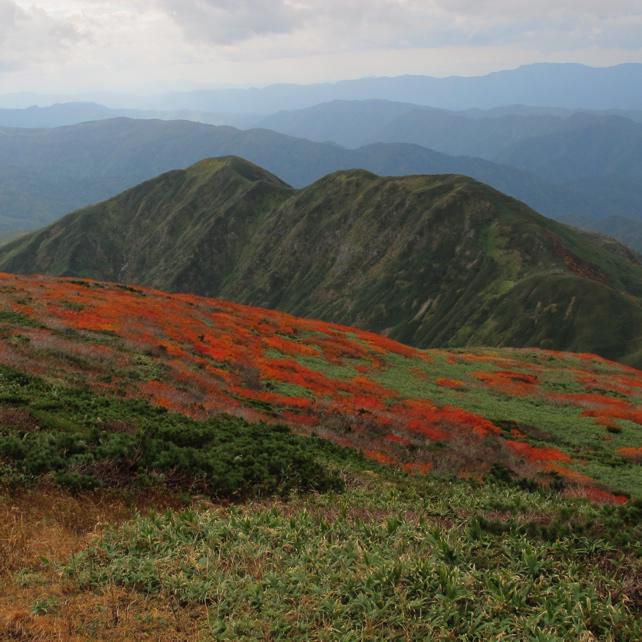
(85, 441)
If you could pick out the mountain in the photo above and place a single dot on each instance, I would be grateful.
(489, 134)
(569, 86)
(350, 123)
(200, 357)
(611, 148)
(591, 162)
(484, 134)
(57, 115)
(65, 114)
(547, 87)
(428, 260)
(630, 230)
(45, 173)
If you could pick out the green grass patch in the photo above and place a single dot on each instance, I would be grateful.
(393, 558)
(11, 317)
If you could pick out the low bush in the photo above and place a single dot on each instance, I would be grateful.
(84, 441)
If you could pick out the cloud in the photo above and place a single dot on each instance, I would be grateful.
(359, 24)
(31, 34)
(171, 43)
(225, 22)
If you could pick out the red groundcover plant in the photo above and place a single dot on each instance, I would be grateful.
(199, 357)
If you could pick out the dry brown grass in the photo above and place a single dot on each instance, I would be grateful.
(41, 529)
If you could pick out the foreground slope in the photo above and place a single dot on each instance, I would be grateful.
(535, 413)
(115, 451)
(428, 260)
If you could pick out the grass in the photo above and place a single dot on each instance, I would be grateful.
(147, 490)
(133, 505)
(554, 423)
(392, 558)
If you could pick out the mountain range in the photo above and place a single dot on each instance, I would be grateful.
(570, 86)
(552, 86)
(45, 173)
(175, 466)
(481, 133)
(428, 260)
(74, 113)
(592, 161)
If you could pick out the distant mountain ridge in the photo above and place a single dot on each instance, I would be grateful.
(548, 85)
(607, 147)
(75, 113)
(571, 86)
(428, 260)
(487, 134)
(592, 161)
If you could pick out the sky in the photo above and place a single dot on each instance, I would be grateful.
(151, 46)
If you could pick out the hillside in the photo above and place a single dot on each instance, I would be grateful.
(132, 507)
(617, 227)
(431, 261)
(588, 163)
(75, 113)
(534, 412)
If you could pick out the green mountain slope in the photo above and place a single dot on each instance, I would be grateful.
(45, 173)
(174, 467)
(429, 260)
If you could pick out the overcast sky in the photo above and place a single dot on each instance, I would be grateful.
(143, 46)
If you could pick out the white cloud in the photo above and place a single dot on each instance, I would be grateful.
(168, 44)
(228, 21)
(31, 34)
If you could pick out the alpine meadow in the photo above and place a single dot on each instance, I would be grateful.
(317, 323)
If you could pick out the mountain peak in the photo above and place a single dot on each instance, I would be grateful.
(209, 167)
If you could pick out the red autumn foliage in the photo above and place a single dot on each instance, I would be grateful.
(597, 495)
(379, 456)
(509, 382)
(418, 469)
(398, 439)
(631, 453)
(201, 357)
(455, 384)
(536, 454)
